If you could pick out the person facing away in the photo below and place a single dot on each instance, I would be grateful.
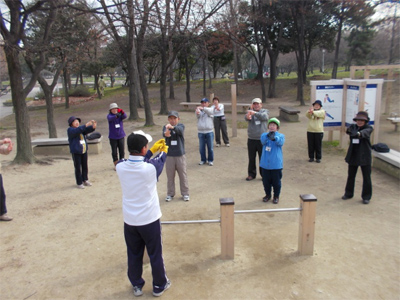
(257, 119)
(6, 147)
(205, 132)
(173, 132)
(78, 148)
(220, 123)
(102, 85)
(315, 131)
(116, 133)
(138, 177)
(272, 160)
(359, 154)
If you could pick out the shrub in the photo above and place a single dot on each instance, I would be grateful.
(80, 91)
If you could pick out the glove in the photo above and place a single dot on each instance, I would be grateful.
(164, 148)
(271, 135)
(119, 110)
(354, 133)
(118, 115)
(122, 112)
(157, 146)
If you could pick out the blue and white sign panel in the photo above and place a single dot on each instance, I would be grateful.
(352, 102)
(331, 97)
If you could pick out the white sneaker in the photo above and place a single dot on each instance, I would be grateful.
(137, 291)
(168, 198)
(217, 145)
(166, 287)
(210, 163)
(186, 198)
(87, 183)
(227, 145)
(80, 186)
(202, 163)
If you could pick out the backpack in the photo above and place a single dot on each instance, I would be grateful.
(93, 136)
(381, 147)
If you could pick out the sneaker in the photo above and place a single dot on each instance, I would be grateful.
(87, 183)
(80, 186)
(168, 198)
(186, 198)
(311, 160)
(137, 291)
(210, 163)
(365, 201)
(4, 217)
(217, 145)
(166, 287)
(276, 200)
(344, 197)
(318, 160)
(227, 145)
(202, 163)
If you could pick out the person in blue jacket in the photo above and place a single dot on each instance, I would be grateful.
(116, 133)
(78, 148)
(272, 160)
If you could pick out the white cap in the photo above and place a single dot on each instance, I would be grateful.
(256, 100)
(147, 136)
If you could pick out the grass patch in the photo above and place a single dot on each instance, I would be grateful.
(332, 147)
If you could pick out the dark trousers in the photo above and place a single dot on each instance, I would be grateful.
(366, 193)
(314, 140)
(81, 167)
(117, 146)
(3, 207)
(220, 126)
(272, 179)
(254, 147)
(137, 238)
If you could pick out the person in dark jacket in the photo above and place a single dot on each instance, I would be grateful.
(78, 148)
(116, 133)
(359, 154)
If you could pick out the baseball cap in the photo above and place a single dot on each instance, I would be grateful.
(205, 100)
(256, 100)
(173, 113)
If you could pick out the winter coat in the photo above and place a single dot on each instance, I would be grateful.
(359, 152)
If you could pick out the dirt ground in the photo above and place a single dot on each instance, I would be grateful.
(66, 243)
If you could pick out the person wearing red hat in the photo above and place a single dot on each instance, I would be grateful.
(359, 154)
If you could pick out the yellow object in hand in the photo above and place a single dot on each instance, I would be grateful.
(164, 148)
(157, 146)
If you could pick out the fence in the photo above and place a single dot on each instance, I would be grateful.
(308, 203)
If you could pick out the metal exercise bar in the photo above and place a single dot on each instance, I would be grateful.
(267, 210)
(190, 222)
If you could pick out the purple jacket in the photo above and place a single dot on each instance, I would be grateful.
(116, 126)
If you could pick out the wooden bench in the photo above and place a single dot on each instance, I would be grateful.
(289, 114)
(227, 106)
(388, 163)
(395, 121)
(60, 146)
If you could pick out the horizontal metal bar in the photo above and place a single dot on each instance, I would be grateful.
(267, 210)
(190, 222)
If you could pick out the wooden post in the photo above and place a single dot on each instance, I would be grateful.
(308, 204)
(211, 98)
(389, 90)
(227, 207)
(234, 110)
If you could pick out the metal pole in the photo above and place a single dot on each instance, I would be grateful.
(189, 222)
(267, 210)
(323, 60)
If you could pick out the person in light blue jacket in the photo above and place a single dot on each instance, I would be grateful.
(272, 160)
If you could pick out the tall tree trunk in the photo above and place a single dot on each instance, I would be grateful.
(337, 47)
(48, 95)
(187, 78)
(171, 72)
(273, 74)
(65, 86)
(24, 147)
